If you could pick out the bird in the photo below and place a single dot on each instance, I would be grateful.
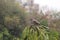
(35, 22)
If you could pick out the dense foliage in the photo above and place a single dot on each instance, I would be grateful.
(14, 24)
(31, 33)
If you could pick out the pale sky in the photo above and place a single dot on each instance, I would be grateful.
(55, 4)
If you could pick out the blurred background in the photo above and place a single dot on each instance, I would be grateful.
(29, 20)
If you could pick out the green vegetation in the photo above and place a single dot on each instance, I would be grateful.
(31, 33)
(14, 24)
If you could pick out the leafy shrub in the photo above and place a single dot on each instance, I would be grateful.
(35, 33)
